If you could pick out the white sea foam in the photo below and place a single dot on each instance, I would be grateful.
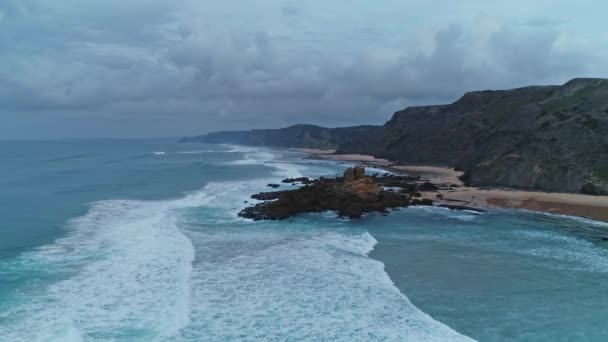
(132, 276)
(371, 170)
(160, 153)
(238, 148)
(577, 218)
(255, 157)
(269, 285)
(461, 215)
(197, 152)
(267, 157)
(267, 282)
(566, 252)
(135, 277)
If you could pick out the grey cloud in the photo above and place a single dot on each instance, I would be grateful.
(533, 55)
(290, 9)
(146, 62)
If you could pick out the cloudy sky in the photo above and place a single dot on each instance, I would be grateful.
(146, 68)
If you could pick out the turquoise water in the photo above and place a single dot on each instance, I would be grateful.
(140, 241)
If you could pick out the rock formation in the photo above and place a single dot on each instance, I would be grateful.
(348, 196)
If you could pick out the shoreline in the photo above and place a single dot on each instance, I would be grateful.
(585, 206)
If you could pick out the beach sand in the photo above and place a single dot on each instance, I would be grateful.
(593, 207)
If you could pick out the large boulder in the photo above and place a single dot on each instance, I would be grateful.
(357, 183)
(354, 173)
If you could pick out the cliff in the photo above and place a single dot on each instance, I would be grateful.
(552, 138)
(308, 136)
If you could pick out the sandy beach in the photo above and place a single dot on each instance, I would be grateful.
(592, 207)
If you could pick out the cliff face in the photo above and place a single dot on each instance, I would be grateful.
(552, 138)
(307, 136)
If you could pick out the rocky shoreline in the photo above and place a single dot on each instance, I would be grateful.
(349, 196)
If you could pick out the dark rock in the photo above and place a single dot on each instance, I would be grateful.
(354, 213)
(349, 196)
(268, 196)
(427, 201)
(428, 186)
(354, 173)
(404, 182)
(590, 189)
(303, 180)
(422, 201)
(465, 178)
(274, 186)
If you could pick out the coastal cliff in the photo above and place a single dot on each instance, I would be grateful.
(308, 136)
(551, 138)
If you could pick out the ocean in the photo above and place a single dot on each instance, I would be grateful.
(111, 240)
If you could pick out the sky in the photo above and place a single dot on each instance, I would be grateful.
(170, 68)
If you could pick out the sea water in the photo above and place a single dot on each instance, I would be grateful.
(141, 241)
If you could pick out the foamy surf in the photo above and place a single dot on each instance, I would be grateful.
(583, 220)
(190, 270)
(461, 215)
(275, 285)
(566, 252)
(198, 152)
(289, 281)
(130, 278)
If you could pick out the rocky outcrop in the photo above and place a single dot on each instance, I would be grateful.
(355, 182)
(349, 196)
(354, 173)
